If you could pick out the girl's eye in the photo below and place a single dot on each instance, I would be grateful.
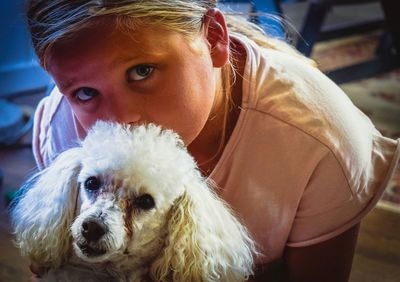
(85, 94)
(139, 72)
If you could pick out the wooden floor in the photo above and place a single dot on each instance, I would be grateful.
(377, 257)
(16, 164)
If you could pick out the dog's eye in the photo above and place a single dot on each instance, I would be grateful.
(92, 183)
(145, 202)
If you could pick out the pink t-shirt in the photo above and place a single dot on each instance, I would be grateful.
(303, 164)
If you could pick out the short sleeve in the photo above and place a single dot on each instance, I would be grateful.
(330, 205)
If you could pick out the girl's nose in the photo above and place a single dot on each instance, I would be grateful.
(122, 110)
(128, 118)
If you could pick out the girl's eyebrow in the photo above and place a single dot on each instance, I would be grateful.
(123, 60)
(145, 54)
(68, 83)
(65, 85)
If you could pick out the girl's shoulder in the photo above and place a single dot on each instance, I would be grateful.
(285, 95)
(55, 128)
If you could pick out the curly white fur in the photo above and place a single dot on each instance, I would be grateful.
(186, 234)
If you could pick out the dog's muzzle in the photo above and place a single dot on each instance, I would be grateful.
(92, 230)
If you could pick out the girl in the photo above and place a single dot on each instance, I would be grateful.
(298, 162)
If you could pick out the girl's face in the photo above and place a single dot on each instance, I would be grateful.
(149, 75)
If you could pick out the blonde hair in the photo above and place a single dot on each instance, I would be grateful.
(50, 21)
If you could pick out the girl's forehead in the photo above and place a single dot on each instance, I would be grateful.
(117, 44)
(108, 33)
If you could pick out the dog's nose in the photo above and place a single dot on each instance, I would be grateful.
(93, 230)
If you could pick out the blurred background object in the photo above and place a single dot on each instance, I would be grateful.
(20, 73)
(19, 69)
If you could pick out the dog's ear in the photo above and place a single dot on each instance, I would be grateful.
(180, 258)
(205, 241)
(44, 211)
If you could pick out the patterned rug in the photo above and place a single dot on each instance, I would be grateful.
(378, 97)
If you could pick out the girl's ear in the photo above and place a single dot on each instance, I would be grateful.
(216, 33)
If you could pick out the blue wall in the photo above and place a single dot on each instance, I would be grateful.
(19, 69)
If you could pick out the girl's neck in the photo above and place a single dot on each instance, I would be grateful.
(209, 146)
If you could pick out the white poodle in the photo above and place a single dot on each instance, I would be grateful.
(129, 204)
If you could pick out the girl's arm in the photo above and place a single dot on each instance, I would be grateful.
(329, 261)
